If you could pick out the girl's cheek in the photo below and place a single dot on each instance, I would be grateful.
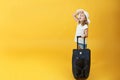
(78, 16)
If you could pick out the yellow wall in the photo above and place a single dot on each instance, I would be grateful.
(37, 38)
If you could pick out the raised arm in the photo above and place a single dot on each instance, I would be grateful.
(79, 11)
(75, 16)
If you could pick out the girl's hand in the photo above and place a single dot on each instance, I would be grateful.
(86, 33)
(79, 11)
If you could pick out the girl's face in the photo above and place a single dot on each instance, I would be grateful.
(82, 17)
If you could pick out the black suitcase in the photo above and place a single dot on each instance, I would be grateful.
(81, 62)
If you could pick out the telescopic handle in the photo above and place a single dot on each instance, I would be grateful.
(83, 42)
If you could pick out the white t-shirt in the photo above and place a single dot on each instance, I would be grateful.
(80, 32)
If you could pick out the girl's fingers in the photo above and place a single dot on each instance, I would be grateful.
(79, 10)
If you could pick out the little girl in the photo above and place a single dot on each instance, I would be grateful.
(81, 17)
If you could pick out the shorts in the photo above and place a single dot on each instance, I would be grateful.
(82, 45)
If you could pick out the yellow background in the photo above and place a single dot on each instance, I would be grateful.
(37, 38)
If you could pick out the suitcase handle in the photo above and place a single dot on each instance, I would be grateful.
(83, 42)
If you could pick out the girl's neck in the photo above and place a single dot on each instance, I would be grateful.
(81, 23)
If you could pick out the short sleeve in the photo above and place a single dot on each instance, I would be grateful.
(85, 26)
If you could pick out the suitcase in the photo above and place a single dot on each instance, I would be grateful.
(81, 62)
